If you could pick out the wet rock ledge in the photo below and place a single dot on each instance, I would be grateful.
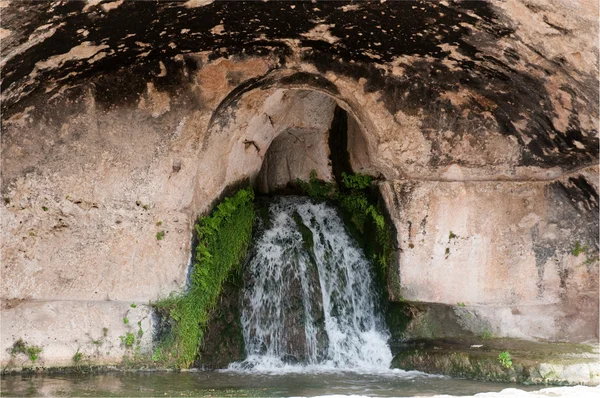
(503, 360)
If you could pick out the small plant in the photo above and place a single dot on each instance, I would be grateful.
(46, 209)
(128, 339)
(447, 252)
(460, 304)
(356, 181)
(77, 357)
(104, 332)
(316, 188)
(158, 223)
(32, 351)
(160, 235)
(505, 359)
(146, 207)
(578, 249)
(452, 236)
(133, 305)
(125, 320)
(486, 335)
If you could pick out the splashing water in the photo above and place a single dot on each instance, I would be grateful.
(309, 300)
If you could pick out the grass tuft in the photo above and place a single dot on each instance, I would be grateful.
(20, 347)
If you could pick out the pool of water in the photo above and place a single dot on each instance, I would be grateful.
(237, 384)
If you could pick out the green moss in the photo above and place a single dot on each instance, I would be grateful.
(307, 235)
(398, 316)
(128, 339)
(363, 213)
(578, 249)
(223, 240)
(505, 359)
(20, 347)
(356, 181)
(77, 357)
(316, 188)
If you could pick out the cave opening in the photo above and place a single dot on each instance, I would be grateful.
(323, 255)
(317, 145)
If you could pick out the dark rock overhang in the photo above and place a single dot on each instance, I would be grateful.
(440, 48)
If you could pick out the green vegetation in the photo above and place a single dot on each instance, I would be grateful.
(307, 235)
(316, 188)
(461, 304)
(486, 335)
(128, 339)
(447, 252)
(452, 236)
(160, 235)
(77, 357)
(358, 200)
(133, 305)
(32, 351)
(158, 223)
(125, 320)
(357, 181)
(44, 208)
(505, 359)
(578, 249)
(223, 240)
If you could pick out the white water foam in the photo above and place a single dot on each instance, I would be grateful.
(342, 329)
(553, 392)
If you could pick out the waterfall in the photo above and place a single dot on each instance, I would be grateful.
(309, 299)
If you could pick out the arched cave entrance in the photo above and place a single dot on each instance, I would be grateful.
(272, 136)
(318, 143)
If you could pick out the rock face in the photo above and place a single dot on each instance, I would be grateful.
(303, 146)
(479, 118)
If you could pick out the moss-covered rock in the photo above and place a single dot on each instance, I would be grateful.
(530, 362)
(223, 240)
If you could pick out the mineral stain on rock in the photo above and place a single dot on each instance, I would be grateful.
(476, 117)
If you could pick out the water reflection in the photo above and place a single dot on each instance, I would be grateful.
(232, 384)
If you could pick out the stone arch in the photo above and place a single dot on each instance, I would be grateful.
(254, 115)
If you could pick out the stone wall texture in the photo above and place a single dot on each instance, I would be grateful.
(480, 120)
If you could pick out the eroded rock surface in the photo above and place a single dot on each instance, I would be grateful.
(479, 118)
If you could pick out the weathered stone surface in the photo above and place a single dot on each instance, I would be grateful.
(480, 118)
(95, 329)
(506, 250)
(302, 147)
(531, 363)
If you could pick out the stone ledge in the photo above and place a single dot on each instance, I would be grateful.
(532, 362)
(64, 328)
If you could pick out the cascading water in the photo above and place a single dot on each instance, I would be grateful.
(309, 299)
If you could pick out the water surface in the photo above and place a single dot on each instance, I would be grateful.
(235, 384)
